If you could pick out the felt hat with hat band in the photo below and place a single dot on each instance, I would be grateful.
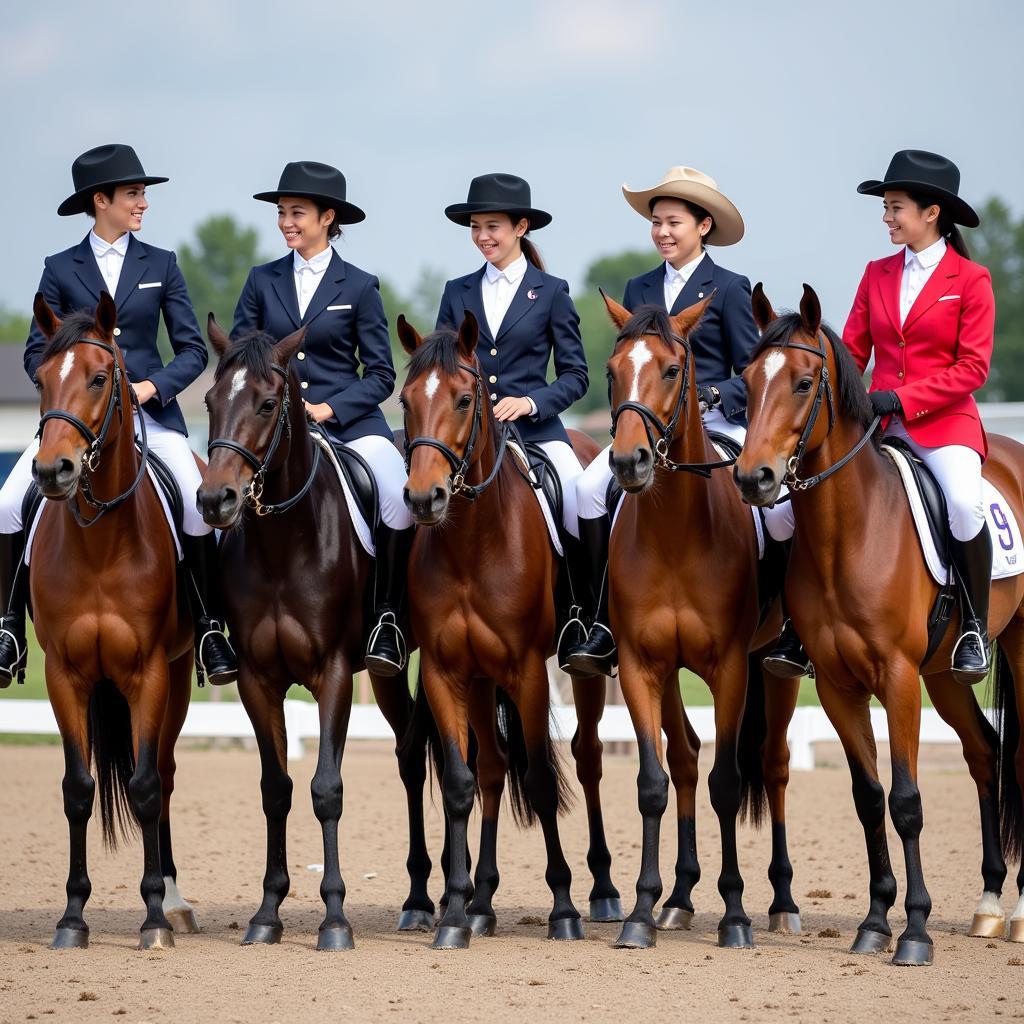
(695, 187)
(916, 170)
(307, 179)
(498, 193)
(104, 167)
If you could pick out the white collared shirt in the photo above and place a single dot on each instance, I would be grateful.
(917, 268)
(109, 258)
(308, 275)
(675, 280)
(498, 288)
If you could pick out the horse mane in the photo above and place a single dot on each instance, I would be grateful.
(439, 350)
(253, 351)
(649, 319)
(73, 328)
(849, 384)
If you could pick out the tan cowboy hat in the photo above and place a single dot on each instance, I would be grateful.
(694, 187)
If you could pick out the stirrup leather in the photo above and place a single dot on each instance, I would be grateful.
(575, 620)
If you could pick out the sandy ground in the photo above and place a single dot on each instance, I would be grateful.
(518, 974)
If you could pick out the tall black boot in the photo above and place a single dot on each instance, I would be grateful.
(597, 655)
(13, 598)
(215, 658)
(973, 560)
(788, 659)
(573, 633)
(387, 650)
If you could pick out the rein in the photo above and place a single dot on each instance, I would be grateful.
(254, 492)
(653, 423)
(91, 456)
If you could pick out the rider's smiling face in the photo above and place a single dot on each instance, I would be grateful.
(677, 234)
(909, 224)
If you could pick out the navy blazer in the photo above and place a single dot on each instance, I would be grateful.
(541, 320)
(150, 284)
(726, 335)
(347, 327)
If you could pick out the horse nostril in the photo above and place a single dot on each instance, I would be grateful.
(766, 478)
(66, 469)
(644, 458)
(437, 495)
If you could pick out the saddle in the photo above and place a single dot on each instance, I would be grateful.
(361, 483)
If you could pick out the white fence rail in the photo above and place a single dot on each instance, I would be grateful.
(229, 720)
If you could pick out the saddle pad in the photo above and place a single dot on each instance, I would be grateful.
(538, 493)
(1007, 547)
(359, 523)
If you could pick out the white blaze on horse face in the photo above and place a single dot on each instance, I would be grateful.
(773, 362)
(432, 384)
(65, 367)
(237, 383)
(640, 356)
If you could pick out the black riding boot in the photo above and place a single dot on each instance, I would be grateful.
(788, 659)
(215, 658)
(13, 598)
(386, 650)
(973, 560)
(597, 655)
(573, 633)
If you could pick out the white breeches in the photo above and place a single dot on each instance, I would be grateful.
(388, 468)
(569, 471)
(171, 446)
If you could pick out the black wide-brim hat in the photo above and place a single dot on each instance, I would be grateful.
(102, 168)
(915, 170)
(498, 193)
(308, 179)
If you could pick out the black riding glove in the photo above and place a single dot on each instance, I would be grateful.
(886, 403)
(709, 396)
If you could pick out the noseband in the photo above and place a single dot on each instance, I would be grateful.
(666, 431)
(254, 492)
(91, 456)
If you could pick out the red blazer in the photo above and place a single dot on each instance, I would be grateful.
(941, 354)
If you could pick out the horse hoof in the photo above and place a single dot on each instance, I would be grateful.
(785, 923)
(483, 924)
(183, 921)
(1016, 932)
(735, 936)
(334, 939)
(416, 921)
(607, 909)
(565, 929)
(871, 942)
(987, 926)
(70, 938)
(263, 935)
(636, 935)
(674, 919)
(913, 953)
(156, 938)
(452, 937)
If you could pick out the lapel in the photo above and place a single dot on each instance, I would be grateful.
(652, 287)
(131, 271)
(473, 300)
(943, 278)
(328, 288)
(889, 284)
(284, 285)
(86, 269)
(521, 301)
(696, 287)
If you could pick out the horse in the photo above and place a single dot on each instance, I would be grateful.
(703, 614)
(482, 577)
(113, 624)
(298, 575)
(859, 594)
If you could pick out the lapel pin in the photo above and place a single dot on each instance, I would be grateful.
(700, 295)
(531, 294)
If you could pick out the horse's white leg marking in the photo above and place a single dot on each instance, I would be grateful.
(639, 357)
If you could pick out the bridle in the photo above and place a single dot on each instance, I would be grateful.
(823, 394)
(460, 463)
(97, 441)
(666, 431)
(254, 491)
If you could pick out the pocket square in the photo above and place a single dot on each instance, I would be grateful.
(946, 298)
(348, 305)
(151, 284)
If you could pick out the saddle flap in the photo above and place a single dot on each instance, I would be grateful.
(932, 498)
(165, 481)
(359, 478)
(543, 470)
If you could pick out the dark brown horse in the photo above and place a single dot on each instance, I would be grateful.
(297, 577)
(482, 586)
(859, 594)
(683, 573)
(113, 626)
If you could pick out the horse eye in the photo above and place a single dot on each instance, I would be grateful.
(804, 386)
(269, 405)
(672, 373)
(98, 381)
(464, 403)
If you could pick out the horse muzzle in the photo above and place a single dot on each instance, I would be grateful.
(57, 479)
(221, 506)
(760, 486)
(427, 507)
(634, 471)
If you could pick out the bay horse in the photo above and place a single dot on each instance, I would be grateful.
(482, 580)
(113, 624)
(683, 575)
(296, 578)
(859, 594)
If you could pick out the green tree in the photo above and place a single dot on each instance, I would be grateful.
(612, 272)
(14, 327)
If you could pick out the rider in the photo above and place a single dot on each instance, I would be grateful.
(687, 213)
(341, 307)
(525, 316)
(110, 186)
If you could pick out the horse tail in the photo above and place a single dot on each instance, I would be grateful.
(421, 739)
(753, 733)
(110, 733)
(1011, 806)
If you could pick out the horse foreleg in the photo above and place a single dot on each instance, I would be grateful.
(587, 750)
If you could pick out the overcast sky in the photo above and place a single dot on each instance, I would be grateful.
(787, 104)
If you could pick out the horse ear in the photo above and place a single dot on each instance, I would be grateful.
(469, 335)
(287, 347)
(683, 323)
(218, 339)
(810, 311)
(45, 317)
(407, 334)
(619, 314)
(106, 315)
(763, 312)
